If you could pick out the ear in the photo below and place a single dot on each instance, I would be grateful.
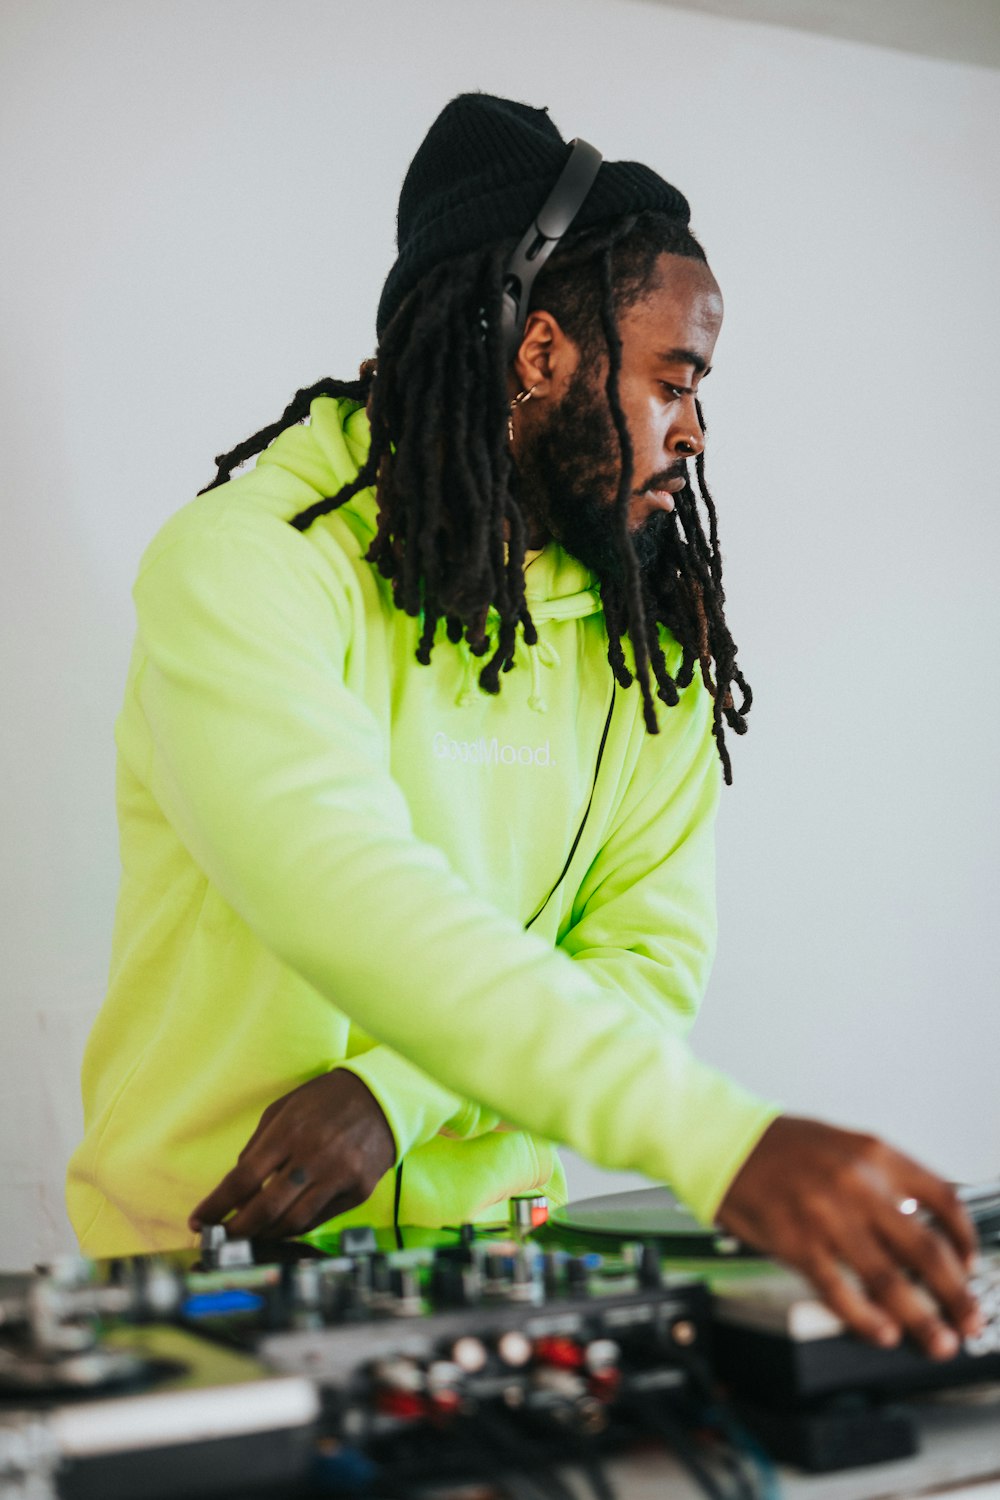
(547, 357)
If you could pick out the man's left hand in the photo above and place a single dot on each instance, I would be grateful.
(316, 1152)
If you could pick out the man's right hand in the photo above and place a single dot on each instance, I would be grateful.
(317, 1151)
(828, 1203)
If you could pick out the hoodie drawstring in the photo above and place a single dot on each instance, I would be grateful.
(542, 654)
(471, 667)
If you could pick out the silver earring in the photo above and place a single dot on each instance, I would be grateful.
(519, 400)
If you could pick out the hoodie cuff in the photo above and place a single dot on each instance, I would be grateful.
(730, 1123)
(415, 1107)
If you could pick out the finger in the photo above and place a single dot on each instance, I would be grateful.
(934, 1261)
(246, 1178)
(947, 1208)
(313, 1209)
(257, 1218)
(262, 1124)
(850, 1301)
(887, 1284)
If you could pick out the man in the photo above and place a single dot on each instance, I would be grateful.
(451, 663)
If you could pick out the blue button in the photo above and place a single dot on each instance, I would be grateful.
(211, 1304)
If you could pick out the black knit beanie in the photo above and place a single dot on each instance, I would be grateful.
(480, 175)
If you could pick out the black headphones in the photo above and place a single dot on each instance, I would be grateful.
(550, 224)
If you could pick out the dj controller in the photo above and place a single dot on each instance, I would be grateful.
(412, 1363)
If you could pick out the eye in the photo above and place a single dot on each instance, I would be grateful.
(675, 392)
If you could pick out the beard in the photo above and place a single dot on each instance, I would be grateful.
(568, 471)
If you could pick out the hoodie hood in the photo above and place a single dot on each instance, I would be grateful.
(328, 453)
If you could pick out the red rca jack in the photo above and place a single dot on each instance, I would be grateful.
(560, 1352)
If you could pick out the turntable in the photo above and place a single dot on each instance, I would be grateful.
(811, 1391)
(772, 1335)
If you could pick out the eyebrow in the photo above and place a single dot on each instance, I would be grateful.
(685, 357)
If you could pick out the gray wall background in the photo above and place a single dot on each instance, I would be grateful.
(198, 204)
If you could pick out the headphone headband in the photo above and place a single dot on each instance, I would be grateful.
(550, 224)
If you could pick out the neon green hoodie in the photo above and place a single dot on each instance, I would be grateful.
(329, 854)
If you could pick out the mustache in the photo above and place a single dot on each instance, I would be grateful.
(663, 476)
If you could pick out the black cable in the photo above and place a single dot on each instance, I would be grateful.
(593, 1471)
(405, 1477)
(751, 1465)
(731, 1455)
(661, 1425)
(518, 1449)
(589, 1463)
(520, 1486)
(763, 1483)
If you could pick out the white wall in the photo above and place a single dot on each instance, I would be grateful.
(197, 210)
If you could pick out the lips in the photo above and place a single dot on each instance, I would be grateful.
(660, 500)
(662, 495)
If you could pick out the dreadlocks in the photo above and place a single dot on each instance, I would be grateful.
(451, 534)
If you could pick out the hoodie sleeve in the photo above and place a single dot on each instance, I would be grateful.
(415, 1107)
(275, 776)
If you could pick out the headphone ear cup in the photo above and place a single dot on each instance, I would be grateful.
(511, 324)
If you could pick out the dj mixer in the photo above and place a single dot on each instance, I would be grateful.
(399, 1365)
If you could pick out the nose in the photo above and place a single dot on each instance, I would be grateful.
(686, 436)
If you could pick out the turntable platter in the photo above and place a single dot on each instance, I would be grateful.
(645, 1214)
